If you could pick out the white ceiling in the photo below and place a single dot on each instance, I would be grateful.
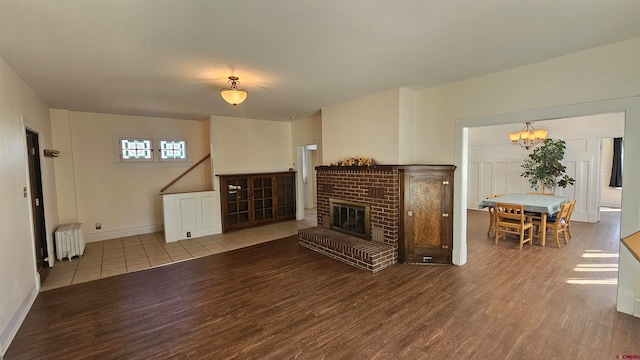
(170, 58)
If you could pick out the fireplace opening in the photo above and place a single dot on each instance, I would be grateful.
(350, 217)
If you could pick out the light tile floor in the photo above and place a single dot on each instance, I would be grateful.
(118, 256)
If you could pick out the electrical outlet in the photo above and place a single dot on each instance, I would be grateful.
(188, 234)
(98, 226)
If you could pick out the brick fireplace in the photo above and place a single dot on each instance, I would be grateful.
(378, 188)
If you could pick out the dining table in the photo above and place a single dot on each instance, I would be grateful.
(533, 203)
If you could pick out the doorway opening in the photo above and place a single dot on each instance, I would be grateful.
(37, 204)
(309, 162)
(628, 106)
(495, 165)
(610, 193)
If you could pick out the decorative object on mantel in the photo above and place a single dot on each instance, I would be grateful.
(357, 161)
(233, 95)
(528, 136)
(543, 166)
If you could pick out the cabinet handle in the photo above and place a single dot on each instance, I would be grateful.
(445, 182)
(445, 246)
(410, 213)
(445, 215)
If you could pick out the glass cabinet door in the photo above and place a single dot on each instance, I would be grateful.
(237, 201)
(262, 198)
(286, 196)
(256, 199)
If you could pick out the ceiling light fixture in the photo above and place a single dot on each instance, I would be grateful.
(233, 95)
(528, 137)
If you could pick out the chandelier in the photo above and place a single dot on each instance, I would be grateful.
(528, 137)
(233, 95)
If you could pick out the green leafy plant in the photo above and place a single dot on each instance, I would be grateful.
(543, 167)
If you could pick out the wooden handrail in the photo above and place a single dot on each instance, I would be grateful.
(185, 173)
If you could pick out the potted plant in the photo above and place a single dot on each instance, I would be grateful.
(543, 167)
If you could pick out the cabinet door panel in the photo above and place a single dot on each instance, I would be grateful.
(286, 190)
(427, 217)
(426, 214)
(262, 198)
(236, 201)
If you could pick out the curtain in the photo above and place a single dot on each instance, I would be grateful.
(616, 169)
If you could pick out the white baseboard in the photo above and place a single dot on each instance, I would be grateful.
(612, 204)
(9, 332)
(473, 205)
(107, 235)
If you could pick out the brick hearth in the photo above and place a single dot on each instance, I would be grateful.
(364, 254)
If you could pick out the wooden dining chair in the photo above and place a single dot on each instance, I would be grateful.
(540, 193)
(492, 220)
(572, 204)
(511, 219)
(556, 222)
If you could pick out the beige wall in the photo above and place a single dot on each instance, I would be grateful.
(250, 145)
(382, 126)
(94, 187)
(407, 127)
(18, 277)
(306, 132)
(367, 126)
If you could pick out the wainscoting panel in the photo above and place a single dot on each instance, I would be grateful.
(582, 190)
(486, 183)
(501, 178)
(516, 183)
(188, 215)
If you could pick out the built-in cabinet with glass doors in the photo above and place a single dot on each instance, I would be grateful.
(256, 199)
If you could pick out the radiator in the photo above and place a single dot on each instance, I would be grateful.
(69, 241)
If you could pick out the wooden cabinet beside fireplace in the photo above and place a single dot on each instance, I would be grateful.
(257, 199)
(426, 222)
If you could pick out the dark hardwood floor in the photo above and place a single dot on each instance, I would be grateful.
(277, 300)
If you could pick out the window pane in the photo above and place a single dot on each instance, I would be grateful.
(173, 149)
(135, 149)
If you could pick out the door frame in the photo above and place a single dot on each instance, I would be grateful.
(630, 212)
(299, 148)
(36, 201)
